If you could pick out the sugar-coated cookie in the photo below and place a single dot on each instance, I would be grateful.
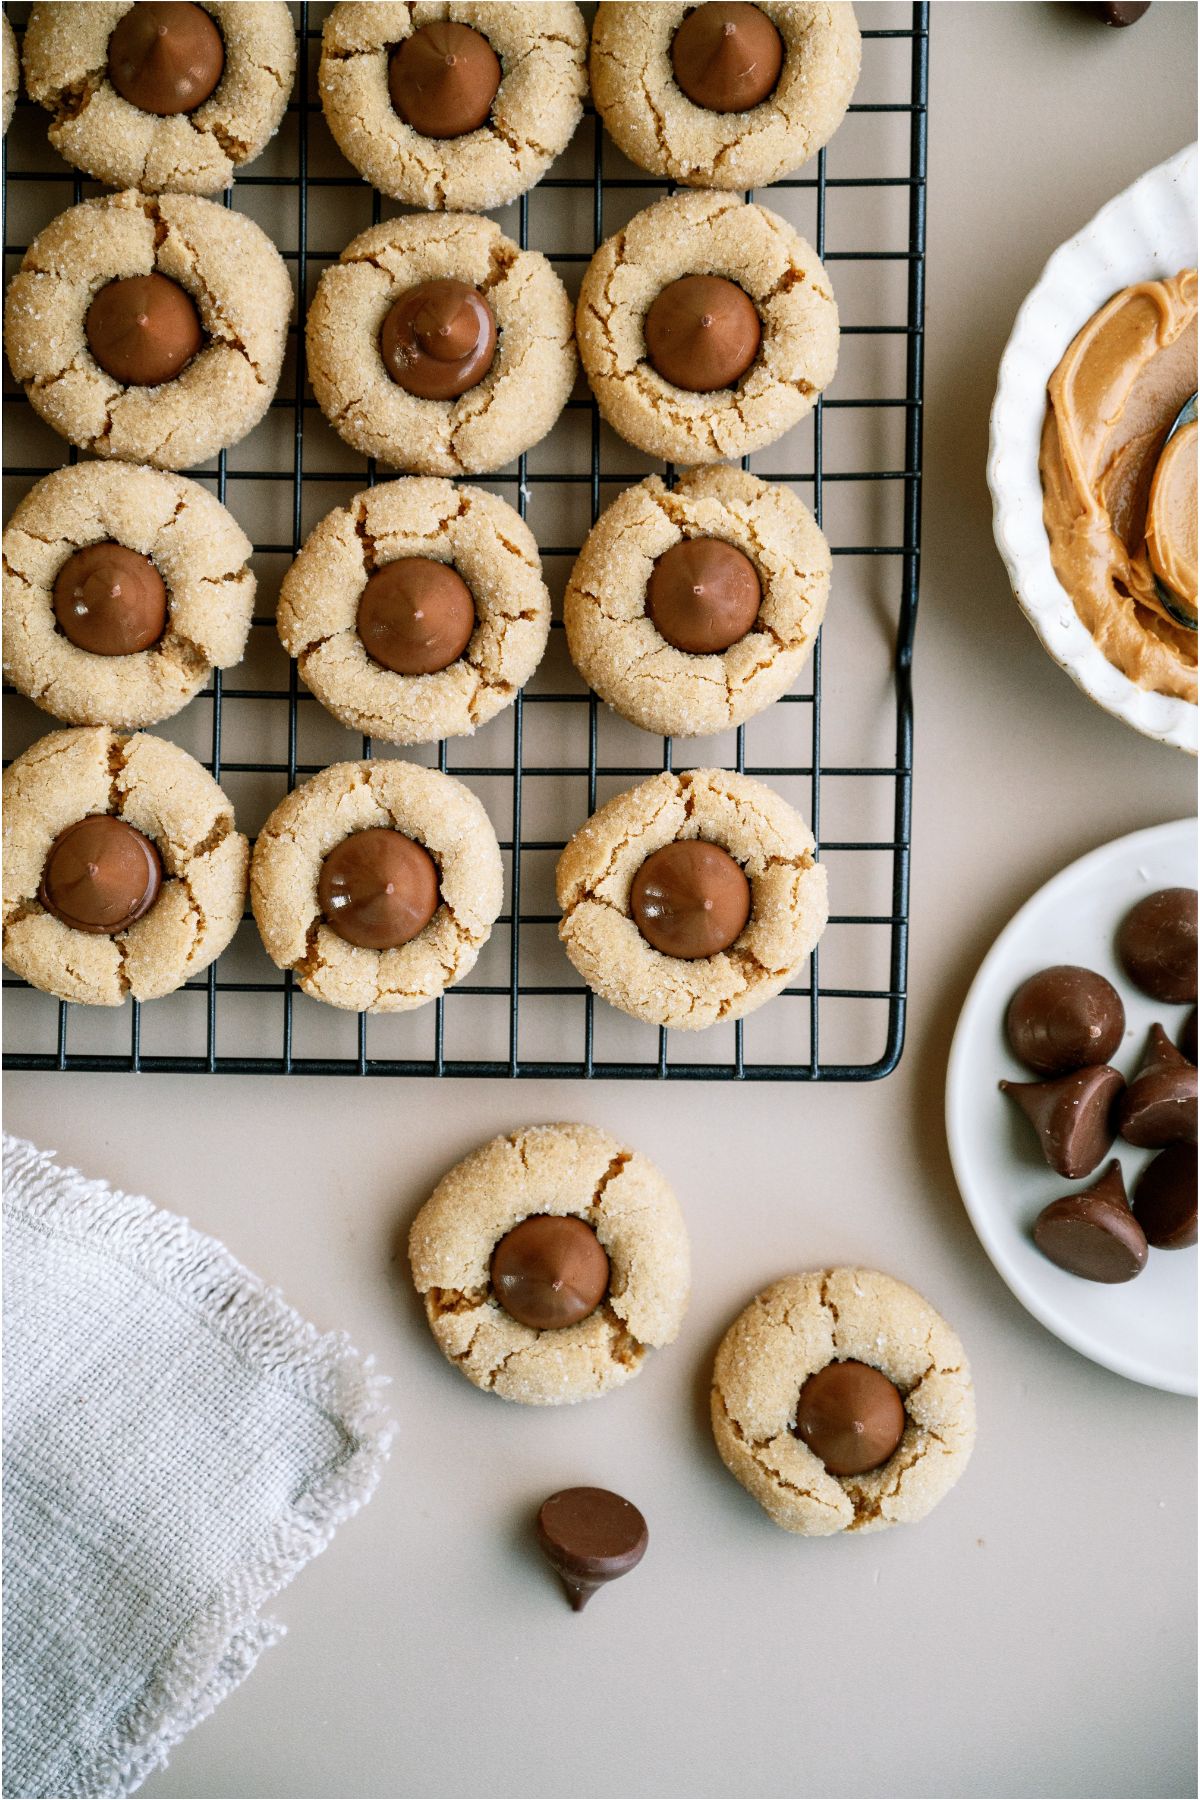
(802, 1326)
(507, 107)
(186, 302)
(156, 98)
(198, 558)
(705, 688)
(808, 61)
(345, 640)
(148, 792)
(607, 1232)
(761, 265)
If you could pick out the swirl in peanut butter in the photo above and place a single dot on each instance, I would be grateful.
(1118, 508)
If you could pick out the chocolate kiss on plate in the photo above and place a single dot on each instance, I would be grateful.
(1072, 1116)
(1159, 1105)
(1094, 1234)
(1164, 1200)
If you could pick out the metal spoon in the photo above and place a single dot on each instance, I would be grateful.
(1169, 602)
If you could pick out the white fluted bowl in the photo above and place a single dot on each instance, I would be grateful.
(1147, 232)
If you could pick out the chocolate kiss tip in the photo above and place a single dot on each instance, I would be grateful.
(577, 1594)
(1160, 1053)
(1110, 1185)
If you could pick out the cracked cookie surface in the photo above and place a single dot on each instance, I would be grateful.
(495, 553)
(760, 831)
(797, 1326)
(705, 233)
(242, 293)
(431, 808)
(543, 53)
(566, 1170)
(100, 132)
(168, 796)
(198, 548)
(651, 119)
(519, 398)
(616, 646)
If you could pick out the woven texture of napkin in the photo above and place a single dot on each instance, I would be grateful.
(178, 1444)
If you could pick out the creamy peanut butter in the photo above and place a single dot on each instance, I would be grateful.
(1117, 509)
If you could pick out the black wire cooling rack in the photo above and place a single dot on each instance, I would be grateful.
(520, 1016)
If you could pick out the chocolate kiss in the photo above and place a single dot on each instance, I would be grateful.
(1094, 1234)
(590, 1537)
(1072, 1116)
(1159, 1105)
(1164, 1200)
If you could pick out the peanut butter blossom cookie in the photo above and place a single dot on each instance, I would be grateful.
(160, 95)
(377, 884)
(453, 106)
(124, 588)
(723, 96)
(691, 899)
(150, 329)
(707, 328)
(418, 611)
(842, 1402)
(692, 608)
(549, 1262)
(123, 872)
(439, 346)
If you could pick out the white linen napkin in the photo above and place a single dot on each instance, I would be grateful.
(178, 1444)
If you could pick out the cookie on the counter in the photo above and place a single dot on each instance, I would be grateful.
(707, 328)
(692, 608)
(158, 95)
(123, 870)
(459, 108)
(439, 346)
(417, 611)
(843, 1402)
(550, 1261)
(377, 884)
(149, 328)
(723, 96)
(124, 588)
(691, 899)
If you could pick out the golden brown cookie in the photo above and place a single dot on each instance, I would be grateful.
(234, 278)
(102, 132)
(10, 73)
(433, 811)
(167, 796)
(800, 1326)
(517, 400)
(657, 125)
(705, 233)
(571, 1172)
(494, 553)
(200, 553)
(757, 829)
(542, 52)
(619, 650)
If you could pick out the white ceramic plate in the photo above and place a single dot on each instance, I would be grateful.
(1145, 1328)
(1148, 231)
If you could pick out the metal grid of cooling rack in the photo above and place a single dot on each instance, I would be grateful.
(662, 1054)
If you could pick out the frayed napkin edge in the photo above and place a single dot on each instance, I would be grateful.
(225, 1640)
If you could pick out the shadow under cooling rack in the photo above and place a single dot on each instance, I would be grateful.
(840, 747)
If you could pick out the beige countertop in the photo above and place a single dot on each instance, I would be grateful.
(1035, 1636)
